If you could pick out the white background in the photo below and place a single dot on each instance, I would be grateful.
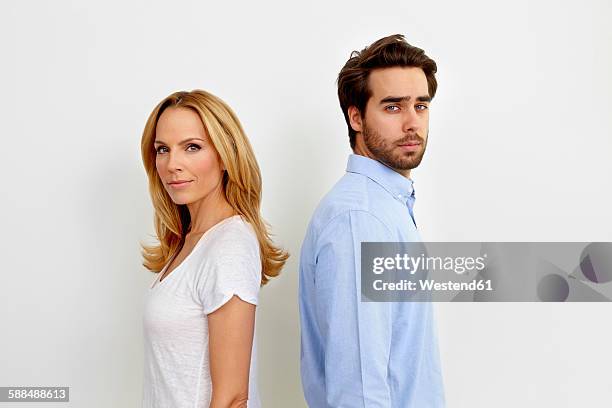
(519, 150)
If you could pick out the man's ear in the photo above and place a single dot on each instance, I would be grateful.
(355, 118)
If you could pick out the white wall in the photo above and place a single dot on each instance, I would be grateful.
(519, 150)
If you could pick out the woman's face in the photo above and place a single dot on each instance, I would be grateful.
(186, 160)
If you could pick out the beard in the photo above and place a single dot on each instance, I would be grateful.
(390, 153)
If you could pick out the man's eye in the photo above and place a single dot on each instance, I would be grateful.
(193, 147)
(160, 149)
(422, 107)
(392, 108)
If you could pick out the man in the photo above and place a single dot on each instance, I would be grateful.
(367, 354)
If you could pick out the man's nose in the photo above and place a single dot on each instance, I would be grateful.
(411, 120)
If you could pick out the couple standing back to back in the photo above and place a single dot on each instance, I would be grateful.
(206, 190)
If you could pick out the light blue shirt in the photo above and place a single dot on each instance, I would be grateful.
(363, 354)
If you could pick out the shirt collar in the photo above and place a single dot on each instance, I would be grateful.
(400, 187)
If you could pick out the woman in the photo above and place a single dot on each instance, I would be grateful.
(214, 252)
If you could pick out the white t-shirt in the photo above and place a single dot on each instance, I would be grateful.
(224, 262)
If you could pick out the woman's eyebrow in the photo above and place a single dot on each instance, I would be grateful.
(181, 143)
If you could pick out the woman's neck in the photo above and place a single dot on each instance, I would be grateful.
(208, 212)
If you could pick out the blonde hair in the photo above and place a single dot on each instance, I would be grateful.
(241, 182)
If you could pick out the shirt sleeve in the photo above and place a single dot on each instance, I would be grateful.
(356, 336)
(235, 269)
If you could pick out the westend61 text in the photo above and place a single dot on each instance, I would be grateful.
(431, 285)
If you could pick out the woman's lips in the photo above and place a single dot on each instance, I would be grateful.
(178, 185)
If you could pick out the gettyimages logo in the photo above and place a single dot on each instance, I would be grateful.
(486, 271)
(411, 264)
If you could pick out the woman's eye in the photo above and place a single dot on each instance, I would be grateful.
(160, 149)
(193, 147)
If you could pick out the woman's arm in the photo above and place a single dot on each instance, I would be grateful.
(230, 334)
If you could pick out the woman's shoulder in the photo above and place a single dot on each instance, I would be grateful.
(233, 236)
(234, 228)
(231, 255)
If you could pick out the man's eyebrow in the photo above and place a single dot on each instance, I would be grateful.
(181, 143)
(397, 99)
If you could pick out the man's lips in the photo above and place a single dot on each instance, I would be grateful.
(410, 145)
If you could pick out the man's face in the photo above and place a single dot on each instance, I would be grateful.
(396, 124)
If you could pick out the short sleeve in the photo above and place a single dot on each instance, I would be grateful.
(233, 269)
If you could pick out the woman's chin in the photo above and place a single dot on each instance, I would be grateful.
(180, 200)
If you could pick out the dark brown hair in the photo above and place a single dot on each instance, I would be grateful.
(391, 51)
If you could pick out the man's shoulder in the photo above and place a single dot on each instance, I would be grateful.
(352, 194)
(348, 194)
